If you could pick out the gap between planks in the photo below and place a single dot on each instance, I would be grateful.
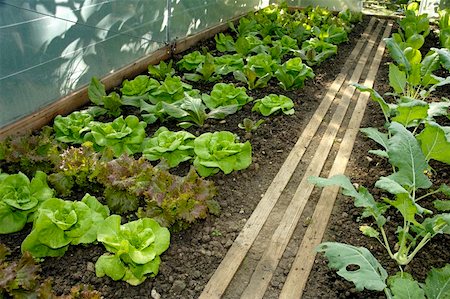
(274, 251)
(221, 278)
(304, 260)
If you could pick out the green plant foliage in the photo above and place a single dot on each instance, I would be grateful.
(162, 70)
(76, 166)
(369, 275)
(170, 91)
(122, 136)
(205, 71)
(247, 26)
(227, 64)
(248, 44)
(191, 61)
(273, 103)
(224, 43)
(20, 279)
(135, 247)
(315, 51)
(414, 24)
(250, 125)
(173, 147)
(444, 28)
(173, 201)
(140, 85)
(60, 223)
(71, 128)
(32, 151)
(249, 76)
(331, 34)
(224, 94)
(293, 73)
(262, 64)
(109, 104)
(20, 198)
(220, 151)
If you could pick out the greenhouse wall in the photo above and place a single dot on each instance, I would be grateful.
(49, 48)
(337, 5)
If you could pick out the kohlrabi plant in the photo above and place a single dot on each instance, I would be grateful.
(106, 104)
(20, 198)
(122, 136)
(273, 103)
(409, 166)
(173, 147)
(161, 70)
(220, 151)
(59, 224)
(134, 249)
(293, 73)
(224, 94)
(71, 128)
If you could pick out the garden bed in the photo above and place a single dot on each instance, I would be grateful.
(195, 253)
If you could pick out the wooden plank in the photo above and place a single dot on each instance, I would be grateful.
(304, 260)
(267, 265)
(221, 278)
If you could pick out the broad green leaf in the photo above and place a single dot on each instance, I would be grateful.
(438, 109)
(377, 136)
(410, 112)
(405, 205)
(377, 98)
(369, 231)
(397, 79)
(363, 198)
(370, 274)
(413, 56)
(444, 57)
(405, 154)
(397, 53)
(437, 283)
(430, 63)
(96, 91)
(390, 185)
(110, 265)
(403, 286)
(434, 143)
(442, 205)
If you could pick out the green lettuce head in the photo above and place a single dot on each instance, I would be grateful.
(220, 151)
(20, 198)
(136, 247)
(60, 223)
(174, 147)
(122, 136)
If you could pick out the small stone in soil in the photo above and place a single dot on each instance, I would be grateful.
(178, 286)
(155, 294)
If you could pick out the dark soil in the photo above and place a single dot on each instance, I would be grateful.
(195, 253)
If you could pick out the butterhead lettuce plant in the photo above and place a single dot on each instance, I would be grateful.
(61, 223)
(122, 136)
(135, 247)
(273, 103)
(174, 147)
(220, 151)
(20, 198)
(71, 128)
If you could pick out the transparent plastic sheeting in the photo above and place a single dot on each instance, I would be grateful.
(337, 5)
(49, 48)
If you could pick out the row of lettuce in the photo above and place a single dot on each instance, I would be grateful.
(113, 159)
(414, 133)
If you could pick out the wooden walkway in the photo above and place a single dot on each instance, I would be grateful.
(255, 255)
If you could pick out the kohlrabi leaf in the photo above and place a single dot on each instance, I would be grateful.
(377, 136)
(397, 53)
(403, 286)
(411, 112)
(363, 198)
(397, 79)
(442, 205)
(377, 98)
(434, 143)
(405, 205)
(369, 274)
(405, 154)
(437, 283)
(390, 185)
(444, 57)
